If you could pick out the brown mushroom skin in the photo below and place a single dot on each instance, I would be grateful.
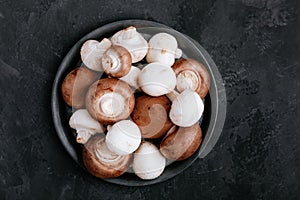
(76, 84)
(199, 69)
(101, 169)
(102, 87)
(151, 114)
(124, 60)
(182, 142)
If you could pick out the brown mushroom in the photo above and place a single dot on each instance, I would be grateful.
(193, 75)
(76, 84)
(101, 162)
(116, 61)
(151, 114)
(110, 100)
(181, 142)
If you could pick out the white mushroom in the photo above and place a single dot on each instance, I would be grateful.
(85, 125)
(133, 41)
(157, 79)
(163, 48)
(132, 77)
(123, 138)
(187, 108)
(148, 162)
(91, 53)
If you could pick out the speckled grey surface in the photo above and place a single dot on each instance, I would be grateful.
(255, 43)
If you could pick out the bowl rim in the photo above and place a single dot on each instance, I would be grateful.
(219, 95)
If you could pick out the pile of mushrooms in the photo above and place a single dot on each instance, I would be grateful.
(130, 92)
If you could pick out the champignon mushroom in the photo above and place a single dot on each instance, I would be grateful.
(110, 100)
(85, 125)
(132, 77)
(148, 163)
(151, 114)
(123, 138)
(163, 48)
(186, 109)
(157, 79)
(76, 84)
(181, 142)
(100, 161)
(91, 53)
(116, 61)
(133, 41)
(193, 75)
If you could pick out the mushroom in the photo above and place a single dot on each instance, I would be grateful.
(110, 100)
(132, 77)
(85, 125)
(148, 163)
(163, 48)
(91, 53)
(116, 61)
(181, 142)
(193, 75)
(133, 41)
(123, 138)
(151, 114)
(157, 79)
(186, 109)
(101, 162)
(76, 84)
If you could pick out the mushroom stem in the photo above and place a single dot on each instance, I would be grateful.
(111, 104)
(129, 33)
(172, 95)
(178, 53)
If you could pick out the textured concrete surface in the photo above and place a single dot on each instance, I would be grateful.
(256, 45)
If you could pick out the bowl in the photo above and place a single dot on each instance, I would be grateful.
(215, 101)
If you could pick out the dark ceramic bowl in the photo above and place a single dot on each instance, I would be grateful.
(215, 102)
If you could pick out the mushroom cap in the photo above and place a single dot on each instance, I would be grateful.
(182, 142)
(132, 77)
(163, 48)
(186, 109)
(116, 61)
(193, 75)
(91, 53)
(157, 79)
(123, 138)
(110, 100)
(151, 114)
(133, 41)
(148, 162)
(85, 125)
(76, 84)
(101, 162)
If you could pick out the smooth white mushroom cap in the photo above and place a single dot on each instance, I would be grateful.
(85, 125)
(157, 79)
(92, 51)
(133, 41)
(132, 77)
(123, 138)
(148, 162)
(163, 48)
(187, 108)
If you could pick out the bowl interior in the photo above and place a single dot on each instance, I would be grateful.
(211, 123)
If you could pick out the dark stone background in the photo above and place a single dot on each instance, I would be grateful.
(256, 45)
